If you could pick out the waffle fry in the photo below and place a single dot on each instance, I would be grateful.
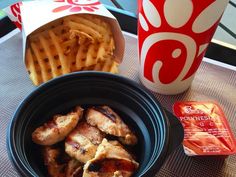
(105, 66)
(73, 43)
(106, 41)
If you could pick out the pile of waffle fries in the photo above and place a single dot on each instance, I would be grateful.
(73, 43)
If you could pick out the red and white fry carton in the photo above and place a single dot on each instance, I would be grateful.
(37, 13)
(14, 14)
(206, 130)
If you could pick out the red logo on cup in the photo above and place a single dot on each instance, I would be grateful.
(78, 5)
(173, 39)
(15, 10)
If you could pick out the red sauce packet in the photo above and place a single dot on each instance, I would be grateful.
(206, 130)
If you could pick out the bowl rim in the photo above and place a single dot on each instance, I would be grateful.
(11, 149)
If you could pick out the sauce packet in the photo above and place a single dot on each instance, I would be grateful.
(206, 130)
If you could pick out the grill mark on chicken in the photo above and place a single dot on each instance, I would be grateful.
(82, 142)
(90, 132)
(105, 119)
(51, 124)
(83, 151)
(55, 160)
(106, 112)
(56, 129)
(74, 144)
(110, 159)
(74, 169)
(111, 165)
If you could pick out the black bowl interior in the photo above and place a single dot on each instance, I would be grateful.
(133, 103)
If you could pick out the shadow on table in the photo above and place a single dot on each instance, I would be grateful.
(180, 165)
(208, 166)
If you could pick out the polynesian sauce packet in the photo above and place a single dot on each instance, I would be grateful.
(206, 130)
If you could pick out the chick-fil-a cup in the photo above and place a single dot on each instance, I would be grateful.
(173, 37)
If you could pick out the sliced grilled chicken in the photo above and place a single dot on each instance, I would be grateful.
(111, 160)
(91, 132)
(55, 160)
(82, 142)
(74, 168)
(105, 119)
(58, 128)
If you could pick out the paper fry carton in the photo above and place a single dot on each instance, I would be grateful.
(37, 14)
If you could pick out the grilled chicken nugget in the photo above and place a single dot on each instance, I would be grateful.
(105, 119)
(55, 160)
(111, 160)
(74, 168)
(82, 142)
(58, 128)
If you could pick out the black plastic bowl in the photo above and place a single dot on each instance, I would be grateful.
(159, 132)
